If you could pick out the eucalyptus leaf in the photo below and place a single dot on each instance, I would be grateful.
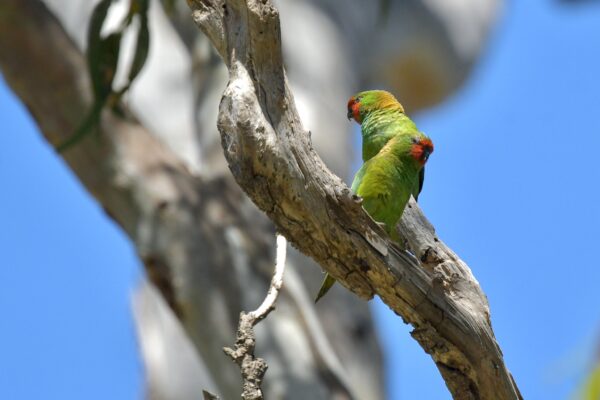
(103, 58)
(142, 45)
(94, 42)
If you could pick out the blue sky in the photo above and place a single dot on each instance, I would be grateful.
(512, 187)
(65, 278)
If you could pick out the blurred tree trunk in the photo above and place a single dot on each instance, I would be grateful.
(162, 176)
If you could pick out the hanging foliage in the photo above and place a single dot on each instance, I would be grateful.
(103, 59)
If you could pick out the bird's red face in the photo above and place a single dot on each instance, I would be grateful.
(354, 109)
(421, 149)
(362, 104)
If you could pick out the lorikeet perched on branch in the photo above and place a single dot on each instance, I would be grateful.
(381, 117)
(394, 153)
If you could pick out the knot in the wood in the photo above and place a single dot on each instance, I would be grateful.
(357, 199)
(430, 257)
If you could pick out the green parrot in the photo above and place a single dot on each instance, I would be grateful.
(381, 117)
(394, 154)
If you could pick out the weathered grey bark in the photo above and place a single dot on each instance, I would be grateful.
(190, 229)
(342, 326)
(271, 156)
(422, 49)
(199, 237)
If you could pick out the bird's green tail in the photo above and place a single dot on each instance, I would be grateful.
(325, 286)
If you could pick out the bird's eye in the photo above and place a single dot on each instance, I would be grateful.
(415, 140)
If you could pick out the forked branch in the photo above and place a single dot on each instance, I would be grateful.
(253, 369)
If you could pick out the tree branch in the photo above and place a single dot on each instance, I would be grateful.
(253, 369)
(178, 222)
(268, 303)
(271, 157)
(172, 216)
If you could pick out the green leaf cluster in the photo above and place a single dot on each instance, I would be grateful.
(103, 59)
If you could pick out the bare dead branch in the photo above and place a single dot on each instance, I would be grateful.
(268, 303)
(271, 157)
(253, 369)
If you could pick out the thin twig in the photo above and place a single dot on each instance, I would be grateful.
(253, 369)
(268, 303)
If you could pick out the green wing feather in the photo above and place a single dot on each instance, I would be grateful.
(385, 183)
(381, 126)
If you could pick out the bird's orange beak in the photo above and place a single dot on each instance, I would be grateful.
(426, 153)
